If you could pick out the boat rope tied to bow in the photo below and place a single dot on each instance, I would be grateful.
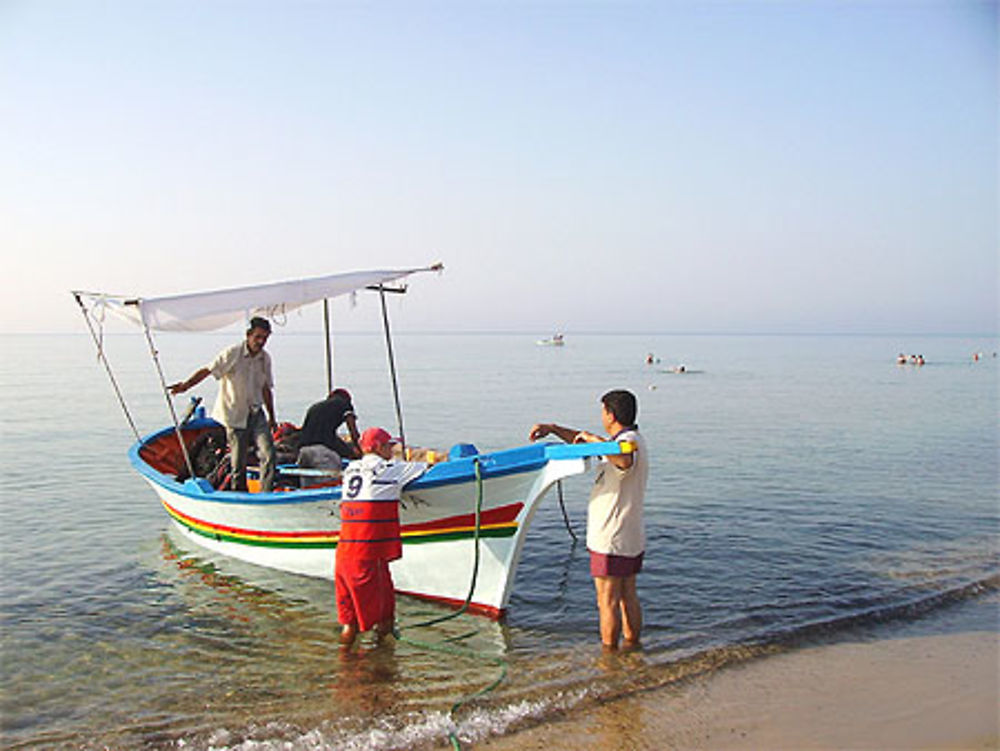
(562, 505)
(448, 648)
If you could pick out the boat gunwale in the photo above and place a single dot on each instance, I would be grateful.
(452, 472)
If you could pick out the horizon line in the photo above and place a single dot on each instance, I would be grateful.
(533, 332)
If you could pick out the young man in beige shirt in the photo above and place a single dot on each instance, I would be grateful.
(615, 533)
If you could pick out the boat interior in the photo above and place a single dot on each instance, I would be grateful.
(205, 442)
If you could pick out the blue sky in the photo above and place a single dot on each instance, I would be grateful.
(667, 167)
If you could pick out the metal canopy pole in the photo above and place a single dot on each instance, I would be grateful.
(392, 366)
(329, 345)
(107, 366)
(166, 395)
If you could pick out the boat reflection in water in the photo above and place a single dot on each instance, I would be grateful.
(271, 639)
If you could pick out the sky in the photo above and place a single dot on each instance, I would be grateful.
(673, 167)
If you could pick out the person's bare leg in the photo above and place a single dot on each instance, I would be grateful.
(631, 612)
(609, 609)
(383, 629)
(347, 635)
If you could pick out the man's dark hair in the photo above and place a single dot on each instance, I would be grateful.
(623, 405)
(259, 323)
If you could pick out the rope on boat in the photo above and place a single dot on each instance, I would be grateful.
(562, 505)
(170, 404)
(99, 344)
(458, 651)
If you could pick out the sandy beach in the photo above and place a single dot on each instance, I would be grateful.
(918, 692)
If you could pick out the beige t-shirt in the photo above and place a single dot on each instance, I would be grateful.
(242, 378)
(614, 514)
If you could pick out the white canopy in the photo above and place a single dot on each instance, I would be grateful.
(205, 311)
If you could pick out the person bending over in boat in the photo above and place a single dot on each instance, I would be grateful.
(369, 537)
(320, 446)
(615, 534)
(245, 390)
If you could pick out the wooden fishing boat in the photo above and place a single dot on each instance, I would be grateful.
(464, 521)
(296, 530)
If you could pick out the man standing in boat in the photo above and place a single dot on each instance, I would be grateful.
(245, 391)
(615, 533)
(370, 536)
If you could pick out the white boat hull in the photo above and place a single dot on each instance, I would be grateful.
(298, 531)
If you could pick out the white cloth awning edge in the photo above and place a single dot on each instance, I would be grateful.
(207, 311)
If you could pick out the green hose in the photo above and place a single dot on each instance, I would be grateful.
(458, 651)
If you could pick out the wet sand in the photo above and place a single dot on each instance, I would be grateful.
(924, 692)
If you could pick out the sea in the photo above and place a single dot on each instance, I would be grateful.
(803, 490)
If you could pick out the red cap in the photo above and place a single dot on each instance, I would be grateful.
(372, 438)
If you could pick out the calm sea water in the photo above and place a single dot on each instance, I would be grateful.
(802, 488)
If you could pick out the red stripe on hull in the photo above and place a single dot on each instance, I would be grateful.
(242, 531)
(475, 608)
(502, 515)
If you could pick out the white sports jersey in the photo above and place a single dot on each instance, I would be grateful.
(372, 478)
(614, 514)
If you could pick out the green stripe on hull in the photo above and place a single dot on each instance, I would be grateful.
(223, 537)
(448, 536)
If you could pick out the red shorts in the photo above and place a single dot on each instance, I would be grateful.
(364, 592)
(606, 564)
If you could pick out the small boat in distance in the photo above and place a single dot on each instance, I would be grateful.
(556, 340)
(463, 522)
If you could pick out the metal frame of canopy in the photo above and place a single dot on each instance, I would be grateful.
(215, 309)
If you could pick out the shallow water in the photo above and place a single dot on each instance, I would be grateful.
(802, 488)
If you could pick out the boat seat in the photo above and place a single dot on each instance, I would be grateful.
(311, 477)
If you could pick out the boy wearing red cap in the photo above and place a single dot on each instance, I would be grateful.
(370, 537)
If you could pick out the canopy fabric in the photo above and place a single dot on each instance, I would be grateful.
(207, 311)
